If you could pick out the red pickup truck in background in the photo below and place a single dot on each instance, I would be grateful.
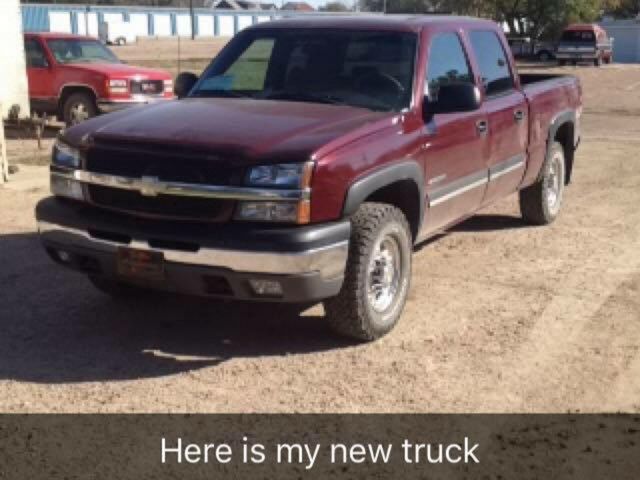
(76, 77)
(306, 162)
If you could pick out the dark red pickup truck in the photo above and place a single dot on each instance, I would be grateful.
(307, 161)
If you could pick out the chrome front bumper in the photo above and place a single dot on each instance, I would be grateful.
(328, 261)
(220, 260)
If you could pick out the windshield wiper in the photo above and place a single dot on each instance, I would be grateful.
(304, 97)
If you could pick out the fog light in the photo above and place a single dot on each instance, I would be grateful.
(64, 257)
(65, 187)
(266, 288)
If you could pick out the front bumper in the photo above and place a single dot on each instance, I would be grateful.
(111, 105)
(576, 56)
(205, 260)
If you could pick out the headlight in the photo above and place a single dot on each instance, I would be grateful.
(168, 86)
(284, 175)
(65, 156)
(118, 86)
(294, 176)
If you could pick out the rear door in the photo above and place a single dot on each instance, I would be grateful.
(507, 110)
(455, 145)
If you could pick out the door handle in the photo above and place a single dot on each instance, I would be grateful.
(519, 115)
(483, 127)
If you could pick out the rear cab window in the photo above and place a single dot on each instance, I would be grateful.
(495, 70)
(578, 36)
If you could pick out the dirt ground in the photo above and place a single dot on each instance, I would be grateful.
(501, 318)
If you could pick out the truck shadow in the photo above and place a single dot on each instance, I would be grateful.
(490, 223)
(56, 328)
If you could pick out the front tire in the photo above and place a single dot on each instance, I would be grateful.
(78, 107)
(378, 274)
(541, 202)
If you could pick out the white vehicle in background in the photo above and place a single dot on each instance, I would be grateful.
(116, 33)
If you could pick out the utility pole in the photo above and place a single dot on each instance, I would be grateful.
(384, 6)
(193, 21)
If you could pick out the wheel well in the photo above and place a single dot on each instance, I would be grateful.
(565, 136)
(403, 194)
(68, 91)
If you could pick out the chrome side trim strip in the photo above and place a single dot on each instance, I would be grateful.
(152, 187)
(329, 261)
(475, 180)
(458, 187)
(506, 167)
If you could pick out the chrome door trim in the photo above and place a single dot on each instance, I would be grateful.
(475, 180)
(458, 187)
(508, 166)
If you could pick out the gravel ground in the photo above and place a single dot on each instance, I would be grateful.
(501, 318)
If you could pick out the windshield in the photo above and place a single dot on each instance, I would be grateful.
(371, 70)
(577, 36)
(73, 50)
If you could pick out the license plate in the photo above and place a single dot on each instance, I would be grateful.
(140, 264)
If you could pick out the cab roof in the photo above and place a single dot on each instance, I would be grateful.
(401, 23)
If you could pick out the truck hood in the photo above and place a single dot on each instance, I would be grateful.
(242, 131)
(120, 70)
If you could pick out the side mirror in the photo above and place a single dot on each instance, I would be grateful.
(453, 98)
(184, 83)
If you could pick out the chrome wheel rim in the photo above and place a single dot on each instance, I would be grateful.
(79, 113)
(384, 274)
(554, 183)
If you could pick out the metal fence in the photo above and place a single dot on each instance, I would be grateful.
(145, 21)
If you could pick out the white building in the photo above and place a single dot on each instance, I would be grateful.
(626, 34)
(14, 89)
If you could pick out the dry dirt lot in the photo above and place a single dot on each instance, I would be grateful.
(502, 317)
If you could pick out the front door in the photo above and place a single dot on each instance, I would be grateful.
(455, 146)
(506, 108)
(39, 75)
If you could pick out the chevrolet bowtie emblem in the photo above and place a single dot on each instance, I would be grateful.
(148, 187)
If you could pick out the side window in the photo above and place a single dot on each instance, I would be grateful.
(35, 54)
(447, 63)
(494, 66)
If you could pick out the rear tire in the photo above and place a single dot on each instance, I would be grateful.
(78, 107)
(541, 202)
(378, 274)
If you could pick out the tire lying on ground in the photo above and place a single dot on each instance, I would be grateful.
(377, 277)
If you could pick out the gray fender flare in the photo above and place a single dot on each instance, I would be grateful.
(563, 118)
(364, 187)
